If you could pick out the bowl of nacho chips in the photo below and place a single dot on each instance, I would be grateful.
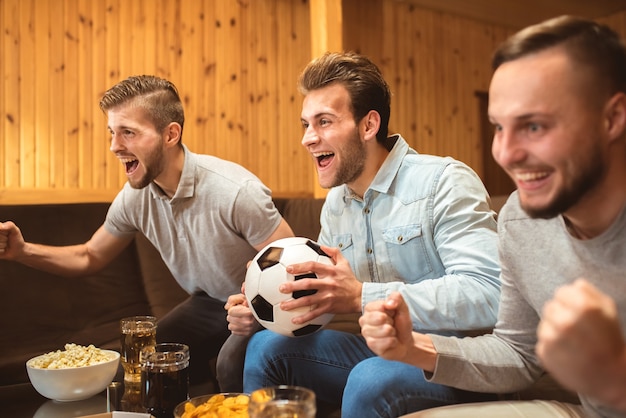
(219, 405)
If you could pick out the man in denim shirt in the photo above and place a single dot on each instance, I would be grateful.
(394, 220)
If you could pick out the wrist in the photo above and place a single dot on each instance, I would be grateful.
(617, 387)
(423, 353)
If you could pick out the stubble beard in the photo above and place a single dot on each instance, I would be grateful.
(154, 164)
(584, 176)
(353, 155)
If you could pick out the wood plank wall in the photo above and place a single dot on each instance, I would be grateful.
(434, 62)
(235, 63)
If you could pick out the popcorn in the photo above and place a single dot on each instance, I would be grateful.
(74, 356)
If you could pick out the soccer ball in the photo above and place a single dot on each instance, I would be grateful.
(268, 270)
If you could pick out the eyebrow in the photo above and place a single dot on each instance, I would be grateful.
(318, 115)
(519, 118)
(120, 127)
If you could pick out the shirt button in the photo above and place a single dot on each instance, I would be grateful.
(366, 210)
(400, 238)
(340, 245)
(369, 251)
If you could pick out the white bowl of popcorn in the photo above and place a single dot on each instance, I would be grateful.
(73, 374)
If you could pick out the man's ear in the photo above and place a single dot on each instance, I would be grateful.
(172, 133)
(615, 116)
(370, 124)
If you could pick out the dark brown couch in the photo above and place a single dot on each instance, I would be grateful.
(41, 312)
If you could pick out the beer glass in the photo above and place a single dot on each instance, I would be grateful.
(136, 332)
(164, 378)
(282, 402)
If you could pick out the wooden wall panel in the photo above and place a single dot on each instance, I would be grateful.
(236, 64)
(434, 63)
(10, 93)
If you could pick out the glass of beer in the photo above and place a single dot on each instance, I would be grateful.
(164, 378)
(136, 332)
(282, 402)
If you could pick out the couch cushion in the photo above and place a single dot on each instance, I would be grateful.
(47, 311)
(162, 290)
(302, 214)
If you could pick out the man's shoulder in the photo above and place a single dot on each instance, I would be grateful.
(425, 161)
(222, 170)
(216, 164)
(444, 172)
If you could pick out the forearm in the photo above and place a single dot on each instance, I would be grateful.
(484, 364)
(69, 261)
(423, 353)
(462, 303)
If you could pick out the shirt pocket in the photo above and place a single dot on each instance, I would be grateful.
(344, 243)
(406, 251)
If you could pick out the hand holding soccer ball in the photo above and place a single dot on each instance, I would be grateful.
(265, 274)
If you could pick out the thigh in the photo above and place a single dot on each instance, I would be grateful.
(320, 361)
(199, 321)
(381, 388)
(230, 363)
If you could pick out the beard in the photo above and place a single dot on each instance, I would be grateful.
(153, 164)
(587, 173)
(353, 156)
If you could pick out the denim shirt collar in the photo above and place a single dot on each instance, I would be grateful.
(386, 175)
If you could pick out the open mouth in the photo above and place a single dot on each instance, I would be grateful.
(130, 164)
(323, 158)
(533, 177)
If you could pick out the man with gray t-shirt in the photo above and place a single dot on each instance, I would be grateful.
(558, 103)
(206, 216)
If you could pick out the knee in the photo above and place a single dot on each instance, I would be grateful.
(229, 367)
(375, 377)
(367, 379)
(263, 345)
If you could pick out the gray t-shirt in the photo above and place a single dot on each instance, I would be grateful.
(537, 257)
(206, 232)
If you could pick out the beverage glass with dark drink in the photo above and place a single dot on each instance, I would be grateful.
(164, 378)
(136, 333)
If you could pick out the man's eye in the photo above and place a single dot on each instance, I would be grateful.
(534, 127)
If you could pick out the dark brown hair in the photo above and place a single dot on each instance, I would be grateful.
(588, 43)
(366, 86)
(157, 96)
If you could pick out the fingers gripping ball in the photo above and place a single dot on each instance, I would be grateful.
(265, 274)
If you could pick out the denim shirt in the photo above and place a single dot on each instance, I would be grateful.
(423, 228)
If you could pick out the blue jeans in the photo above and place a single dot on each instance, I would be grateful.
(342, 370)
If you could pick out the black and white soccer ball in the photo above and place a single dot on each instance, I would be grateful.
(268, 270)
